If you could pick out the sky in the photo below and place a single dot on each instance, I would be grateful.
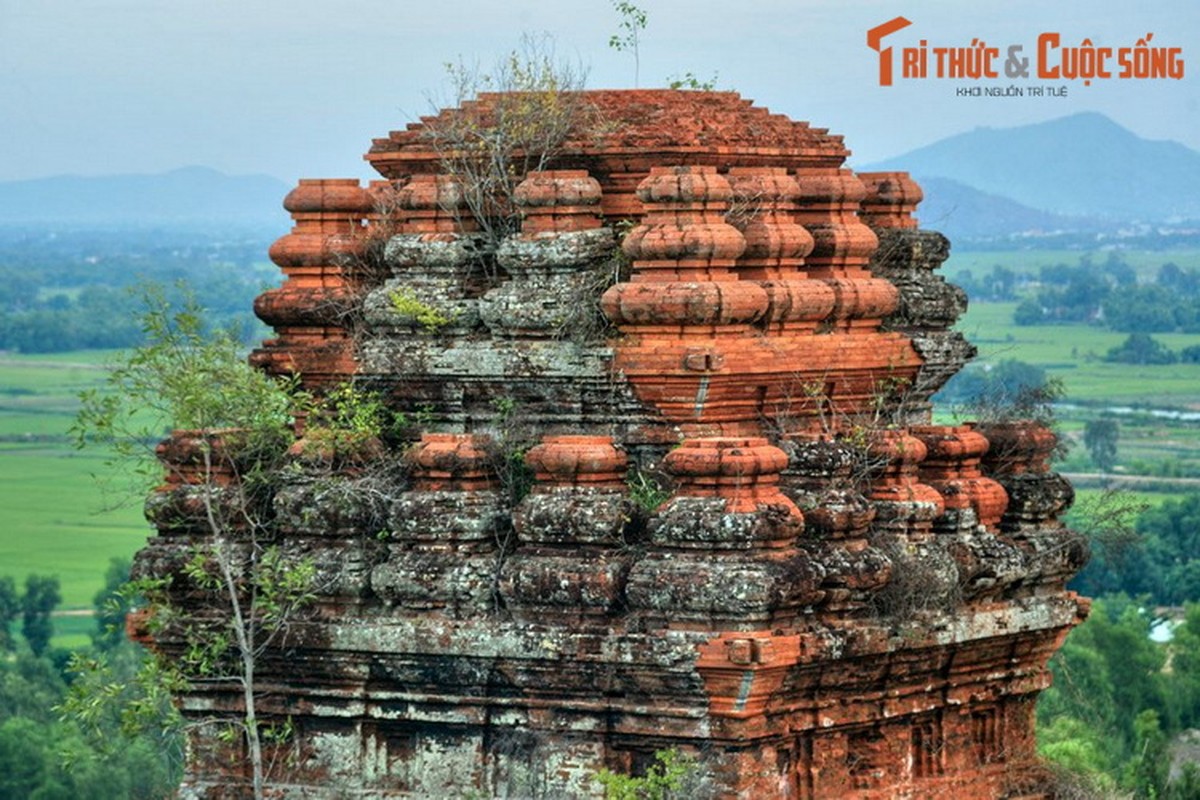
(298, 88)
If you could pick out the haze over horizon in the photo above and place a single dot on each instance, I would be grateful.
(297, 89)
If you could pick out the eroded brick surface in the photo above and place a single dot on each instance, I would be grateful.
(837, 599)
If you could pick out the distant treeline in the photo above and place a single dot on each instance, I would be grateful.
(1142, 348)
(69, 290)
(1107, 294)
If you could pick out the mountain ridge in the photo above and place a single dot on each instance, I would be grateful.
(190, 194)
(962, 212)
(1081, 172)
(1083, 165)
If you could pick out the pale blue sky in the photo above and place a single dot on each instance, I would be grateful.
(297, 88)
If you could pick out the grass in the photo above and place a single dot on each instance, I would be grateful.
(1084, 497)
(73, 632)
(54, 522)
(1073, 352)
(59, 520)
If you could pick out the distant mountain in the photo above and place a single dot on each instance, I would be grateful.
(187, 196)
(1084, 164)
(961, 212)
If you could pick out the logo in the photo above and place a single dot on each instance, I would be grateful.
(1049, 59)
(875, 38)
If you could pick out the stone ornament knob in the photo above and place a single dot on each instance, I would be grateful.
(327, 214)
(578, 460)
(897, 452)
(764, 198)
(863, 298)
(434, 204)
(799, 301)
(898, 495)
(715, 241)
(724, 457)
(329, 195)
(558, 201)
(743, 471)
(952, 467)
(452, 460)
(431, 192)
(828, 206)
(891, 199)
(702, 187)
(198, 456)
(324, 250)
(841, 189)
(684, 303)
(562, 187)
(951, 444)
(684, 220)
(1019, 447)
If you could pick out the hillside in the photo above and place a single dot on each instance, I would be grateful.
(1083, 165)
(962, 212)
(186, 196)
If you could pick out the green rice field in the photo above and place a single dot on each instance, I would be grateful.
(1073, 354)
(58, 518)
(1149, 445)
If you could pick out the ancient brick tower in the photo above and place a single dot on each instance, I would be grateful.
(840, 599)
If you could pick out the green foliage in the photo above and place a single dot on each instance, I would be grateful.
(1158, 557)
(632, 23)
(272, 590)
(1076, 746)
(646, 491)
(1010, 389)
(1147, 771)
(42, 756)
(1107, 294)
(126, 693)
(1185, 786)
(186, 377)
(534, 104)
(240, 418)
(283, 586)
(29, 687)
(689, 81)
(1100, 438)
(1065, 294)
(346, 421)
(41, 597)
(1142, 309)
(511, 441)
(1141, 348)
(112, 606)
(1118, 698)
(997, 285)
(406, 303)
(663, 779)
(10, 608)
(1077, 299)
(1029, 312)
(68, 289)
(1185, 666)
(57, 517)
